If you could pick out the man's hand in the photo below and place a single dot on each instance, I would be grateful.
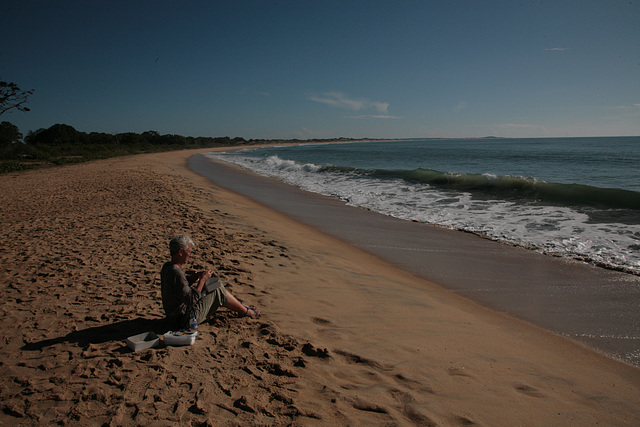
(204, 276)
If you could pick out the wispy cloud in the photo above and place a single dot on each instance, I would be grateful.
(520, 126)
(306, 133)
(340, 100)
(460, 106)
(623, 107)
(557, 49)
(622, 111)
(373, 116)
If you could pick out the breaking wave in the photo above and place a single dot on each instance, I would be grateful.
(514, 187)
(596, 225)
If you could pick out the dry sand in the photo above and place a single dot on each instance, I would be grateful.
(344, 338)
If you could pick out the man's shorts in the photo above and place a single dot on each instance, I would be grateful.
(208, 304)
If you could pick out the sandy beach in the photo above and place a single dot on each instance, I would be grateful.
(345, 338)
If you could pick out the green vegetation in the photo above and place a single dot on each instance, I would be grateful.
(62, 144)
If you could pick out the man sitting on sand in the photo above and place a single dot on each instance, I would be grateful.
(181, 299)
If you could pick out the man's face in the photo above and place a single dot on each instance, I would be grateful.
(184, 255)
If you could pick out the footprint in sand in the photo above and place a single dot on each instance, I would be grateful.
(412, 384)
(464, 421)
(368, 406)
(528, 390)
(460, 372)
(359, 360)
(321, 321)
(311, 351)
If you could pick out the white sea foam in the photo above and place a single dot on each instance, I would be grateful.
(558, 230)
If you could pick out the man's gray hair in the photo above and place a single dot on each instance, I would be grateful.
(181, 241)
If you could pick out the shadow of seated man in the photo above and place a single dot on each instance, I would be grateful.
(118, 331)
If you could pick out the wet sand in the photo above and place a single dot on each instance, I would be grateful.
(346, 338)
(596, 306)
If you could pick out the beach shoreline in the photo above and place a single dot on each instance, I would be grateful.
(345, 337)
(569, 297)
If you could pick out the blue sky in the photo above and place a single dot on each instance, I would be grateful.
(323, 69)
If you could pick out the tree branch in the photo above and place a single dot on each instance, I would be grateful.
(11, 96)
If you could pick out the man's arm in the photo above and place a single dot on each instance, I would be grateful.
(202, 279)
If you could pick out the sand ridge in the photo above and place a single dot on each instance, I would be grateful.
(345, 339)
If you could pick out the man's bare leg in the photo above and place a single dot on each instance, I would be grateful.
(234, 305)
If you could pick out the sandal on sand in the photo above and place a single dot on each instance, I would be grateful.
(253, 308)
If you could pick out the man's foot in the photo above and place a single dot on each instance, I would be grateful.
(252, 311)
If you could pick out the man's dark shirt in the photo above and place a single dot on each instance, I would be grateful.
(177, 296)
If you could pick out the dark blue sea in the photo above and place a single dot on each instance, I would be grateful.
(572, 197)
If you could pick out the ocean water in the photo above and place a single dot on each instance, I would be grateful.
(572, 197)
